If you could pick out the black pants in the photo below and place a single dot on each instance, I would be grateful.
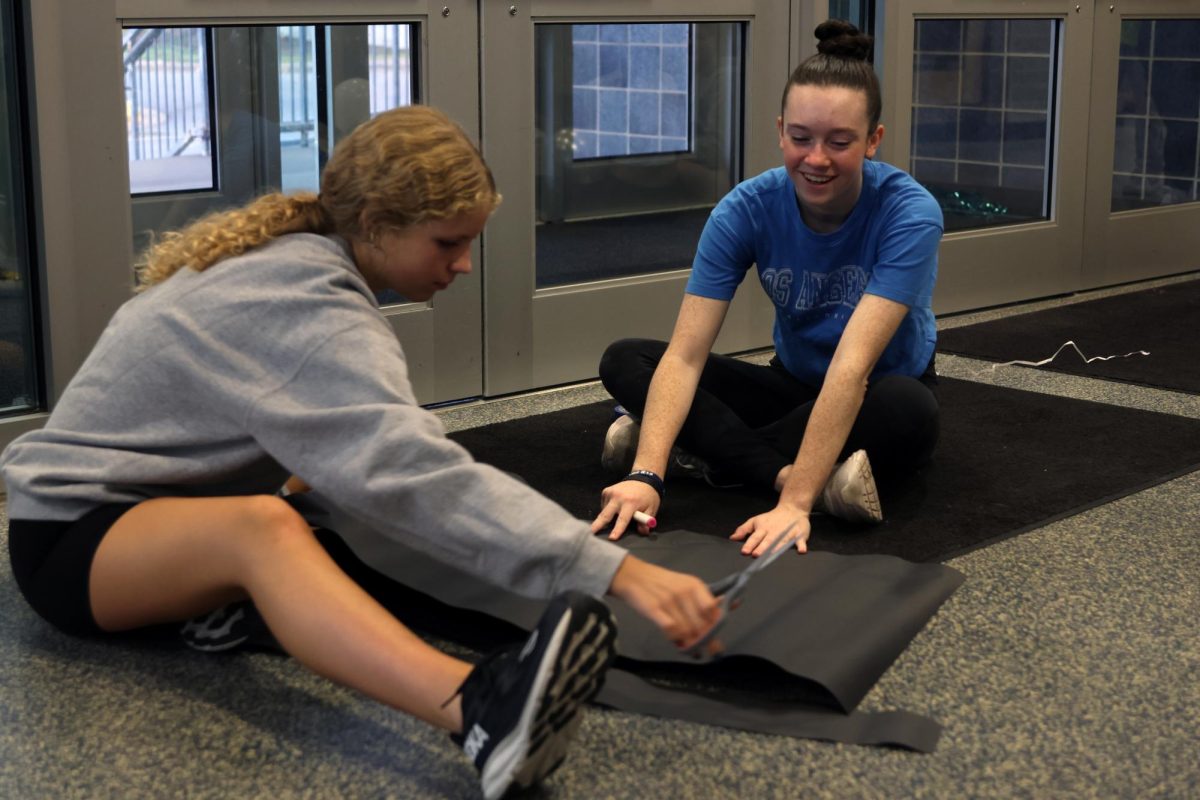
(747, 420)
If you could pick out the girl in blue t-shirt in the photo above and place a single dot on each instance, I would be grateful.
(846, 248)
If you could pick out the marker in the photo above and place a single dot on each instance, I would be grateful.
(644, 518)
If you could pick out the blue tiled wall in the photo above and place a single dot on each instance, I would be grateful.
(981, 96)
(1156, 154)
(631, 89)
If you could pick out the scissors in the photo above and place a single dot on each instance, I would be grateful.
(731, 587)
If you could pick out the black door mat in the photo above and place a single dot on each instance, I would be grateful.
(1164, 322)
(1008, 461)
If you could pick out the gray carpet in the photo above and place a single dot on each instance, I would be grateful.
(1067, 665)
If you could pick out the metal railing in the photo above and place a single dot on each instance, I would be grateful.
(166, 91)
(390, 62)
(167, 85)
(297, 84)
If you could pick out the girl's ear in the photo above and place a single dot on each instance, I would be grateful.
(367, 228)
(873, 141)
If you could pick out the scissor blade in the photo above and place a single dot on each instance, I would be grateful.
(731, 586)
(723, 585)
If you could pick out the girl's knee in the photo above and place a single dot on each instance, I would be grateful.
(903, 420)
(905, 396)
(620, 356)
(628, 364)
(272, 523)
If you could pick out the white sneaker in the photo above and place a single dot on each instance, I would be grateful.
(620, 445)
(850, 493)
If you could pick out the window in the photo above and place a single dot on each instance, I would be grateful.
(310, 82)
(19, 383)
(631, 89)
(983, 112)
(1156, 161)
(168, 109)
(387, 81)
(638, 136)
(221, 115)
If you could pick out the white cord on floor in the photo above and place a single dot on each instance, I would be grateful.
(1018, 363)
(1071, 344)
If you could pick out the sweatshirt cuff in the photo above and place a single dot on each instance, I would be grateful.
(596, 562)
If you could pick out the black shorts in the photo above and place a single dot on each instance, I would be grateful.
(52, 562)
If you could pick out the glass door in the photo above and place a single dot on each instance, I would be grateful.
(641, 118)
(1143, 213)
(996, 129)
(254, 98)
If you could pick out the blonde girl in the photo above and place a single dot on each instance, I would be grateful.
(254, 351)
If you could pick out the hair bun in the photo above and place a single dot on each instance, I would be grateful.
(837, 37)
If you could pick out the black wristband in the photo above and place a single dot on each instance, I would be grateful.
(649, 478)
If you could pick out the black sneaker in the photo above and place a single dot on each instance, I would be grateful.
(683, 463)
(521, 705)
(228, 628)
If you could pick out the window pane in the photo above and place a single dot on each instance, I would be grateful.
(630, 89)
(1156, 160)
(167, 109)
(386, 81)
(860, 13)
(298, 151)
(392, 83)
(638, 131)
(391, 55)
(18, 364)
(287, 94)
(982, 128)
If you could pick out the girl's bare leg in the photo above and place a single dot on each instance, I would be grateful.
(171, 559)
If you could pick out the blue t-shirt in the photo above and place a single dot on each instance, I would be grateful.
(887, 246)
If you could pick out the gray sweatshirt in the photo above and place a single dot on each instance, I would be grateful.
(273, 363)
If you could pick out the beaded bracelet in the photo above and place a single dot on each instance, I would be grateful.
(649, 478)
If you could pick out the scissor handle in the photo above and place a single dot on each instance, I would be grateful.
(697, 649)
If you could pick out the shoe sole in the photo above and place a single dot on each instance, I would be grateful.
(620, 446)
(865, 508)
(571, 672)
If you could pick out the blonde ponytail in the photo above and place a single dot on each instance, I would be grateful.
(403, 167)
(229, 233)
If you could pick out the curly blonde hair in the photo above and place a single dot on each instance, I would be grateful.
(403, 167)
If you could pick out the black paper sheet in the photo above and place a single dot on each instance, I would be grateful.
(812, 635)
(625, 691)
